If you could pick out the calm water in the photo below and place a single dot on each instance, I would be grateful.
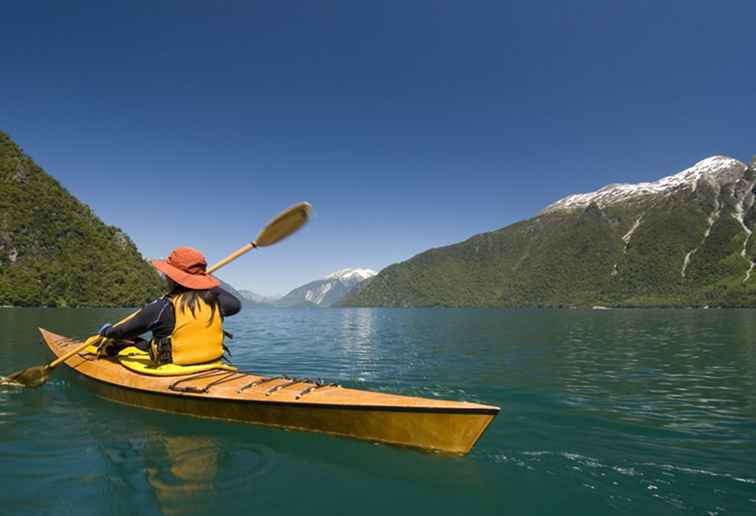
(603, 412)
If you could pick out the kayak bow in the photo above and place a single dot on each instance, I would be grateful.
(300, 404)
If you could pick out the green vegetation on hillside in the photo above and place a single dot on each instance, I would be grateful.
(54, 251)
(578, 257)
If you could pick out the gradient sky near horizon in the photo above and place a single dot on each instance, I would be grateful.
(408, 125)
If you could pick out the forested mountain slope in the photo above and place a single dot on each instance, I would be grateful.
(685, 239)
(54, 251)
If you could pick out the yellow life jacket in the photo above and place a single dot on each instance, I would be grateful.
(197, 338)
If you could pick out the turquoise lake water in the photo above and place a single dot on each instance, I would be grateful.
(603, 412)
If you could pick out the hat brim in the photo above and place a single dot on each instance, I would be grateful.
(192, 281)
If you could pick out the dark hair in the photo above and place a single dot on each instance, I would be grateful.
(188, 298)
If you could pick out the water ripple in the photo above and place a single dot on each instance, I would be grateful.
(612, 412)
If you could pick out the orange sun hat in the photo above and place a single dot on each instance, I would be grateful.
(187, 267)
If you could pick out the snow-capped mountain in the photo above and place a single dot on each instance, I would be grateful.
(327, 291)
(716, 171)
(683, 239)
(351, 276)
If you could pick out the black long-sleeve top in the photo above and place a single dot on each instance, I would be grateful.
(159, 318)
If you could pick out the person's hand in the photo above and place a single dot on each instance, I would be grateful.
(105, 329)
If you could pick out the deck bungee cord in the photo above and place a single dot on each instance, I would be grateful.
(218, 376)
(310, 385)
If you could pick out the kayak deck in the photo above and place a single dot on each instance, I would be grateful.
(450, 426)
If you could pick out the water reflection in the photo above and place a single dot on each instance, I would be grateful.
(357, 330)
(358, 341)
(253, 468)
(6, 384)
(630, 411)
(186, 469)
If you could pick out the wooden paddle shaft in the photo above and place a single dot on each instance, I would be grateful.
(78, 349)
(231, 257)
(55, 363)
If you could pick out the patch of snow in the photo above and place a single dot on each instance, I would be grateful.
(739, 216)
(716, 170)
(748, 272)
(710, 220)
(626, 238)
(352, 274)
(686, 261)
(317, 296)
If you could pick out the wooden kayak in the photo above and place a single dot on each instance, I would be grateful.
(300, 404)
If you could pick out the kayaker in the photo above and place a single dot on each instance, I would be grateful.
(187, 323)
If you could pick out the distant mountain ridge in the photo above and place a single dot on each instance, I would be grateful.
(327, 291)
(684, 239)
(54, 251)
(255, 298)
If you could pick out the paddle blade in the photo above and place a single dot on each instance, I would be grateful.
(284, 225)
(30, 377)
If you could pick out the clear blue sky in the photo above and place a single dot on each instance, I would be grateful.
(407, 124)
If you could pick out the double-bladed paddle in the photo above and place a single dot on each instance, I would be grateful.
(285, 224)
